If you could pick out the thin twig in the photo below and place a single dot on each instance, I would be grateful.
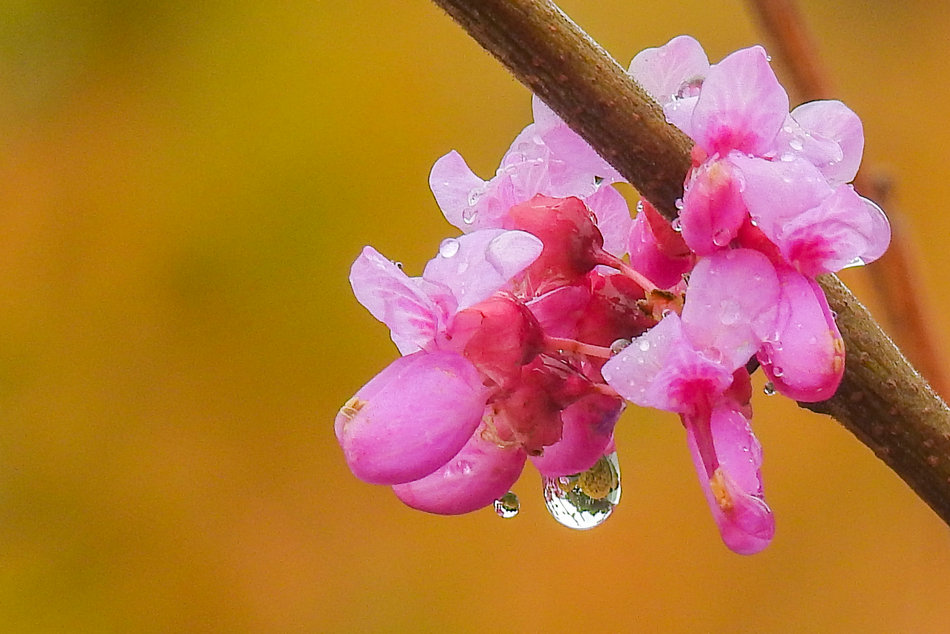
(793, 47)
(882, 399)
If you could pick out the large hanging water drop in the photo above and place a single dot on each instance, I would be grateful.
(585, 500)
(507, 506)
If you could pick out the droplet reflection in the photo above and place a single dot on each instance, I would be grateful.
(584, 500)
(507, 506)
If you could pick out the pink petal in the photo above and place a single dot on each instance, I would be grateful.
(613, 218)
(741, 106)
(661, 369)
(558, 311)
(568, 147)
(776, 191)
(664, 71)
(456, 189)
(478, 475)
(713, 209)
(806, 362)
(411, 418)
(731, 305)
(588, 426)
(395, 299)
(476, 265)
(728, 458)
(833, 121)
(662, 258)
(844, 230)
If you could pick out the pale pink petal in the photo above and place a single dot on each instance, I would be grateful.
(478, 475)
(728, 457)
(476, 265)
(806, 362)
(844, 230)
(776, 191)
(713, 209)
(664, 71)
(661, 369)
(731, 305)
(679, 112)
(456, 189)
(613, 218)
(567, 147)
(411, 418)
(834, 121)
(395, 299)
(794, 140)
(741, 107)
(588, 426)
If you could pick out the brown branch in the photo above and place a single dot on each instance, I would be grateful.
(882, 400)
(793, 47)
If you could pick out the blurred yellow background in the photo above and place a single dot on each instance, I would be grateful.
(182, 190)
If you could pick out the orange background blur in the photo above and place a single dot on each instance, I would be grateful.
(182, 190)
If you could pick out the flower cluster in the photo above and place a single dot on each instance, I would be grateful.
(525, 336)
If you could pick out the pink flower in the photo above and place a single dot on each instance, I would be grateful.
(523, 337)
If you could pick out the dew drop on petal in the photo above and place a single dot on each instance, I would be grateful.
(449, 247)
(617, 346)
(398, 265)
(507, 506)
(473, 197)
(679, 203)
(796, 144)
(584, 500)
(854, 263)
(677, 225)
(777, 371)
(644, 345)
(769, 389)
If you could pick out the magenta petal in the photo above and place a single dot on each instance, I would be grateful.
(834, 121)
(728, 458)
(649, 258)
(741, 106)
(476, 265)
(663, 71)
(395, 299)
(587, 429)
(731, 305)
(713, 209)
(456, 189)
(806, 363)
(559, 310)
(411, 418)
(478, 475)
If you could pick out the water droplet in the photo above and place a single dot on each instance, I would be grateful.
(677, 225)
(796, 144)
(617, 346)
(721, 238)
(507, 506)
(639, 206)
(398, 265)
(644, 345)
(585, 500)
(473, 197)
(853, 263)
(777, 371)
(678, 203)
(769, 389)
(449, 247)
(469, 214)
